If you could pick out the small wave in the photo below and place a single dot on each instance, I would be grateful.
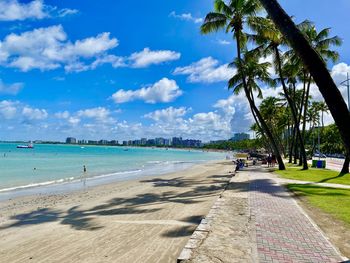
(168, 162)
(113, 174)
(155, 162)
(63, 180)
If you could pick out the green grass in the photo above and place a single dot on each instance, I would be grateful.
(314, 175)
(333, 201)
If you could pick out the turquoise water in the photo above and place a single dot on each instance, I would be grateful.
(52, 164)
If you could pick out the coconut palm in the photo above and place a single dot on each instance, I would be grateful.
(322, 43)
(270, 39)
(255, 72)
(315, 65)
(323, 108)
(274, 113)
(313, 116)
(232, 17)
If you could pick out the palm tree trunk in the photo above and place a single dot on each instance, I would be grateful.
(306, 104)
(345, 169)
(255, 109)
(292, 145)
(316, 67)
(293, 110)
(296, 153)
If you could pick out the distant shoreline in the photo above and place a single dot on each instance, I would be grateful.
(127, 146)
(71, 184)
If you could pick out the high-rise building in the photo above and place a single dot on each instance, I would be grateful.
(143, 141)
(71, 140)
(159, 141)
(177, 141)
(114, 142)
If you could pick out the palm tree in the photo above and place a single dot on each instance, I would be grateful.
(323, 108)
(255, 72)
(321, 42)
(270, 40)
(313, 116)
(315, 65)
(233, 16)
(274, 112)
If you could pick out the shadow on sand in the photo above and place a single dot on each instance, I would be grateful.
(191, 192)
(185, 191)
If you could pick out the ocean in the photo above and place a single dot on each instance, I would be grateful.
(62, 165)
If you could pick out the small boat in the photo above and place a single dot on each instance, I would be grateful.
(27, 146)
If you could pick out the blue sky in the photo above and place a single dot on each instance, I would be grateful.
(128, 69)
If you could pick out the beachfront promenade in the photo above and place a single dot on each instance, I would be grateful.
(263, 224)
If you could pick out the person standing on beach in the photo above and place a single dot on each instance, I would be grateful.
(83, 178)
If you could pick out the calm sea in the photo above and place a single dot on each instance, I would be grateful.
(59, 164)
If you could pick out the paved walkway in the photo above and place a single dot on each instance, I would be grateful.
(283, 231)
(257, 220)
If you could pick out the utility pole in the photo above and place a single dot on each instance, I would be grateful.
(319, 141)
(348, 87)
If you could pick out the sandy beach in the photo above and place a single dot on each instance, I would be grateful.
(145, 220)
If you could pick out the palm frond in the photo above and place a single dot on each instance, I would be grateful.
(213, 22)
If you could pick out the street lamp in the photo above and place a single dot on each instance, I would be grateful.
(348, 87)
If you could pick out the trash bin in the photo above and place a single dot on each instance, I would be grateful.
(314, 163)
(321, 164)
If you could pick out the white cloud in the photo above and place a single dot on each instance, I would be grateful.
(88, 47)
(13, 10)
(73, 120)
(99, 114)
(167, 115)
(96, 113)
(62, 115)
(205, 126)
(48, 48)
(186, 17)
(339, 72)
(271, 69)
(115, 61)
(8, 109)
(206, 70)
(142, 59)
(11, 89)
(67, 12)
(223, 42)
(34, 114)
(148, 57)
(165, 90)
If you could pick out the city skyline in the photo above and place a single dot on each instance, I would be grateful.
(62, 73)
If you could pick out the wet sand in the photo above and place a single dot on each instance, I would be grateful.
(145, 220)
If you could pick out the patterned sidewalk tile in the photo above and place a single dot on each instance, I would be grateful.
(283, 232)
